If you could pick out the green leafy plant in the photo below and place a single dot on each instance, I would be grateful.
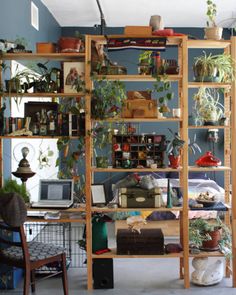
(207, 107)
(145, 57)
(107, 98)
(218, 68)
(199, 230)
(11, 186)
(211, 13)
(163, 85)
(175, 144)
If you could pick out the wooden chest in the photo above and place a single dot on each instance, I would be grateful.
(136, 197)
(149, 242)
(140, 108)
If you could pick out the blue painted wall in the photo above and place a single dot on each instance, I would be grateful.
(130, 60)
(15, 21)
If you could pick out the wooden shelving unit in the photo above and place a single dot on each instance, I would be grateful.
(229, 168)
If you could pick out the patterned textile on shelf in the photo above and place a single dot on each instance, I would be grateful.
(153, 43)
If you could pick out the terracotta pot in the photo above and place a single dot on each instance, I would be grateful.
(69, 44)
(174, 161)
(213, 244)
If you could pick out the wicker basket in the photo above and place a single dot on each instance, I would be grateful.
(213, 33)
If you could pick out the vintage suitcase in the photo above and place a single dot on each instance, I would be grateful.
(149, 242)
(136, 197)
(139, 108)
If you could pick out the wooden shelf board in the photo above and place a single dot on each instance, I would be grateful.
(113, 254)
(142, 120)
(207, 254)
(208, 84)
(220, 168)
(38, 136)
(61, 220)
(97, 209)
(208, 43)
(53, 56)
(94, 169)
(138, 78)
(37, 95)
(69, 210)
(208, 127)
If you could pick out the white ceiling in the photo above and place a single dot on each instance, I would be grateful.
(119, 13)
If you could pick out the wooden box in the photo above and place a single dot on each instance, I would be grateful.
(138, 30)
(149, 242)
(136, 197)
(132, 151)
(45, 47)
(139, 108)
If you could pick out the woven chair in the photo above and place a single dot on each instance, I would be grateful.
(28, 256)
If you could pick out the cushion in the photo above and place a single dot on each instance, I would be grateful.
(12, 209)
(37, 251)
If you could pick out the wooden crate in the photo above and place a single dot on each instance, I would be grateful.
(138, 30)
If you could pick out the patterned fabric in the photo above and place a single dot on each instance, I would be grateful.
(37, 251)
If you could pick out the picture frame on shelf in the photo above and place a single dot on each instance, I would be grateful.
(72, 73)
(98, 194)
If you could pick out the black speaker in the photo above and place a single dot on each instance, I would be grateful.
(103, 273)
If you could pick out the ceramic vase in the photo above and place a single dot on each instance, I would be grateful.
(156, 22)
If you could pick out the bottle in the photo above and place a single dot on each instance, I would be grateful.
(51, 123)
(158, 62)
(43, 123)
(58, 82)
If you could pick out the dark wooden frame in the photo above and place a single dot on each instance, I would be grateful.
(30, 266)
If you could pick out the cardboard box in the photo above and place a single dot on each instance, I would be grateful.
(138, 30)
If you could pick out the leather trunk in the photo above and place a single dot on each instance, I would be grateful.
(149, 242)
(136, 197)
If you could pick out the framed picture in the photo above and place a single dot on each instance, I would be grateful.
(98, 194)
(71, 72)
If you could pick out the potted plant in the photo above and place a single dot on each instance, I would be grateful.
(210, 236)
(214, 68)
(11, 186)
(212, 31)
(48, 79)
(208, 109)
(173, 149)
(145, 63)
(107, 98)
(163, 86)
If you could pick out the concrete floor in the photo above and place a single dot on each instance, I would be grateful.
(132, 276)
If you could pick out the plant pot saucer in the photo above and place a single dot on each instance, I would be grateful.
(209, 249)
(206, 79)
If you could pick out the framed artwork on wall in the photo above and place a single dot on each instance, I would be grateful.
(72, 71)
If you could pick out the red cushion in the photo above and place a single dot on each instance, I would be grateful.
(165, 32)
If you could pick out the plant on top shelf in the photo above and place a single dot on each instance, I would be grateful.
(107, 99)
(212, 31)
(207, 108)
(214, 68)
(210, 235)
